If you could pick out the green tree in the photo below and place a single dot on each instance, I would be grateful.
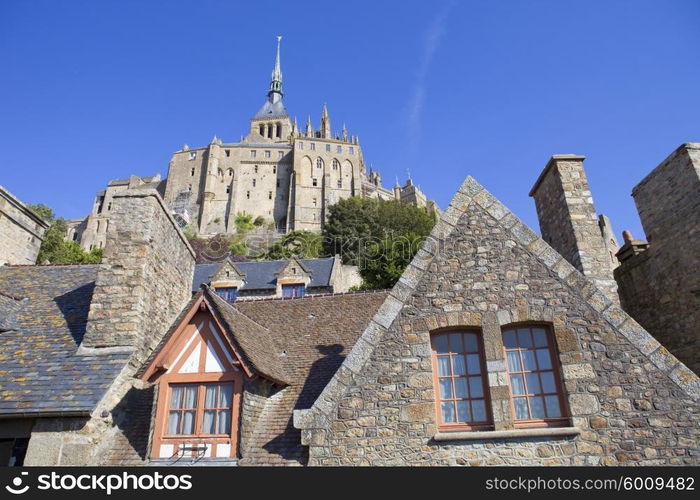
(244, 223)
(238, 246)
(43, 211)
(384, 262)
(55, 249)
(302, 244)
(354, 225)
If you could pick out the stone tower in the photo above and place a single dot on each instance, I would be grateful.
(568, 220)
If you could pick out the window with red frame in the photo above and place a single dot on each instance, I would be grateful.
(535, 385)
(460, 380)
(200, 409)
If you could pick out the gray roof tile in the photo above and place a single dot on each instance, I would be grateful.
(40, 370)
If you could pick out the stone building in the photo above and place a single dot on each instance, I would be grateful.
(659, 279)
(91, 232)
(287, 175)
(21, 231)
(491, 349)
(276, 278)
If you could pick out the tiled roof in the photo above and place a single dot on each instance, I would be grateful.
(40, 371)
(316, 333)
(261, 275)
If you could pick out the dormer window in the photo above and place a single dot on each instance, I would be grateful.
(228, 293)
(291, 291)
(199, 395)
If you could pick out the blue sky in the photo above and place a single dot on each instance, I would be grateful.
(92, 91)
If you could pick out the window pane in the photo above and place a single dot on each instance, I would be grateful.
(173, 422)
(225, 422)
(520, 409)
(440, 342)
(459, 364)
(188, 422)
(190, 396)
(543, 359)
(552, 403)
(225, 393)
(461, 390)
(509, 340)
(514, 362)
(476, 387)
(176, 397)
(444, 365)
(537, 407)
(448, 411)
(463, 411)
(533, 383)
(473, 364)
(445, 388)
(208, 422)
(479, 410)
(540, 337)
(548, 384)
(529, 361)
(456, 342)
(524, 338)
(210, 396)
(470, 342)
(517, 385)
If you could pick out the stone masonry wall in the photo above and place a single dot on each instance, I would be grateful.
(660, 287)
(255, 395)
(145, 282)
(629, 402)
(568, 220)
(21, 231)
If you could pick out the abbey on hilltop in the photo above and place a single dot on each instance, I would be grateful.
(286, 175)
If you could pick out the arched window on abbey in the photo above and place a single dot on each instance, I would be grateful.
(278, 133)
(319, 162)
(336, 164)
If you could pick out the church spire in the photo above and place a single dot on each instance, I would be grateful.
(275, 93)
(325, 123)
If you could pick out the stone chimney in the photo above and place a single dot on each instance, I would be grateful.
(569, 223)
(145, 278)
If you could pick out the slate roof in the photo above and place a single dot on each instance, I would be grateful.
(316, 333)
(262, 275)
(40, 371)
(271, 109)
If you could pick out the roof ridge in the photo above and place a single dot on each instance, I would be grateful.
(312, 296)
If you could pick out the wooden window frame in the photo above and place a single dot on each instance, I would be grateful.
(461, 426)
(167, 380)
(199, 409)
(564, 419)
